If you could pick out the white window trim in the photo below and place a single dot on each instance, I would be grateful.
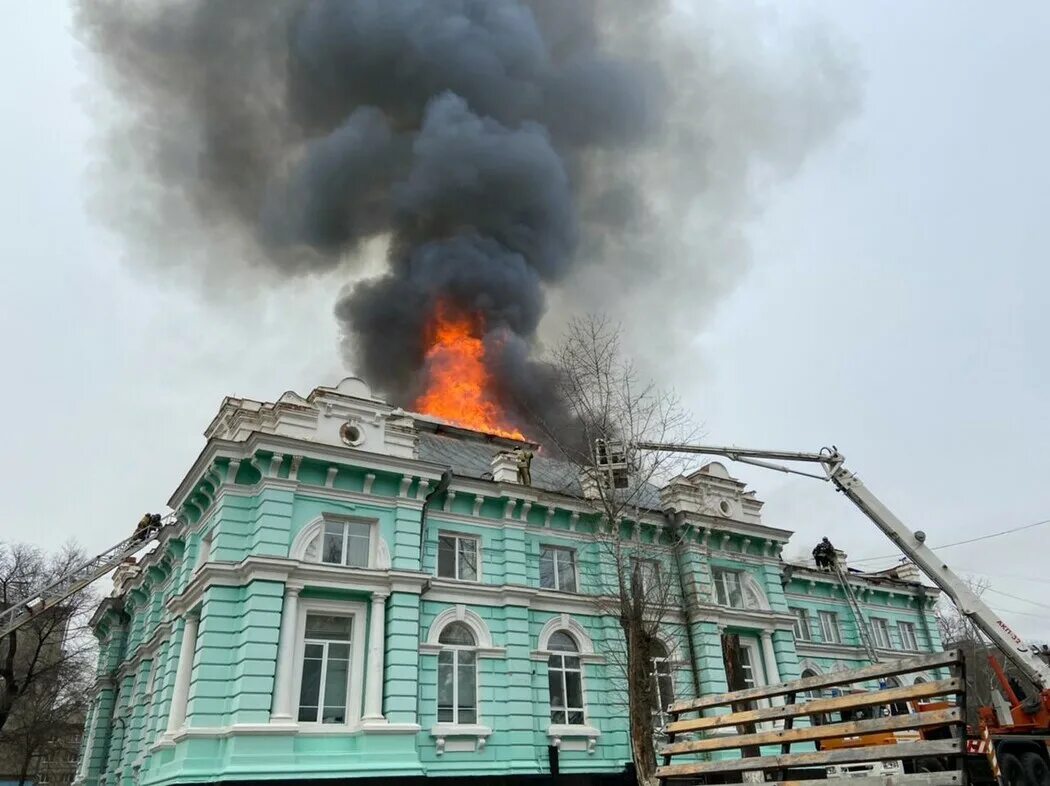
(834, 622)
(455, 648)
(565, 688)
(798, 622)
(914, 638)
(575, 567)
(719, 581)
(356, 678)
(477, 555)
(460, 613)
(881, 634)
(308, 543)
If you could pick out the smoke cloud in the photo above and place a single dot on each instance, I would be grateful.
(511, 153)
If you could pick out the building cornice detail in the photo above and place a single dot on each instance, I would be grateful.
(290, 571)
(742, 618)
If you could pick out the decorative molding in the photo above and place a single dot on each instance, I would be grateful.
(460, 613)
(559, 732)
(279, 569)
(566, 623)
(442, 733)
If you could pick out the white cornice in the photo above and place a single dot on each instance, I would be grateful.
(290, 571)
(363, 459)
(741, 618)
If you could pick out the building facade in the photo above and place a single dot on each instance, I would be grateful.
(352, 590)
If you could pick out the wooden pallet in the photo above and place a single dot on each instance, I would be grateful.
(730, 723)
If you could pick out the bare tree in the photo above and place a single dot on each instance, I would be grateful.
(612, 409)
(46, 666)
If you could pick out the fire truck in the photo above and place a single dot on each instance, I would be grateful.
(1012, 737)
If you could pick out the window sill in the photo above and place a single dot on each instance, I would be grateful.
(459, 737)
(573, 736)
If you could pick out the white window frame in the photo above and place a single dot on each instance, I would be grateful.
(829, 620)
(718, 575)
(356, 677)
(456, 649)
(578, 654)
(880, 631)
(557, 576)
(755, 663)
(346, 521)
(660, 716)
(458, 536)
(802, 623)
(909, 642)
(649, 568)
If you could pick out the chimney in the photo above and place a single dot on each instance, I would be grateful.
(504, 468)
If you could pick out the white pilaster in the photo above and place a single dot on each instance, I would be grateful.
(282, 686)
(181, 694)
(769, 656)
(374, 667)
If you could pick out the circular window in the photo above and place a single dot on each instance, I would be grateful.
(351, 434)
(726, 507)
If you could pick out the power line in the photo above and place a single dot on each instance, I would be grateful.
(1018, 597)
(1023, 613)
(961, 542)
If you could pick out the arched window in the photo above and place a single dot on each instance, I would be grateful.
(900, 707)
(663, 684)
(565, 679)
(457, 675)
(809, 695)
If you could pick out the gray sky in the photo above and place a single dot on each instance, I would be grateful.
(893, 307)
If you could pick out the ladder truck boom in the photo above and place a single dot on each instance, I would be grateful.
(14, 617)
(912, 544)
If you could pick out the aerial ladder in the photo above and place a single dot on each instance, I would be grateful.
(76, 579)
(1019, 726)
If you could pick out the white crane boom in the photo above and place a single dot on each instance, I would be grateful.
(912, 544)
(17, 615)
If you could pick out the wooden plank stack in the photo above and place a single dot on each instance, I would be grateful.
(934, 709)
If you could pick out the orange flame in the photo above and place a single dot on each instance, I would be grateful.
(459, 385)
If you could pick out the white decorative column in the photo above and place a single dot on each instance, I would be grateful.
(285, 676)
(181, 695)
(769, 656)
(374, 667)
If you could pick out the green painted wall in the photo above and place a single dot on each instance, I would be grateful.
(235, 658)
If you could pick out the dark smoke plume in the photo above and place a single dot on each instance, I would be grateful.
(506, 150)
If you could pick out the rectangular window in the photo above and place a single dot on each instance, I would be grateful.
(458, 557)
(558, 568)
(457, 686)
(727, 588)
(747, 668)
(881, 631)
(565, 682)
(802, 631)
(663, 690)
(347, 543)
(649, 570)
(326, 669)
(907, 631)
(829, 627)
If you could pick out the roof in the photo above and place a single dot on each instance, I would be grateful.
(473, 459)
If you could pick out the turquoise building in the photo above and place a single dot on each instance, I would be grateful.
(356, 591)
